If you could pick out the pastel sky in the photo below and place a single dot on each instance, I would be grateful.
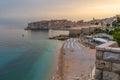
(12, 11)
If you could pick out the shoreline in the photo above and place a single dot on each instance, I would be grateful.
(65, 67)
(59, 72)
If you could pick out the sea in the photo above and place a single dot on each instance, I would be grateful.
(27, 55)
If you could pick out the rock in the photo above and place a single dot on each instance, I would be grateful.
(110, 76)
(116, 68)
(98, 74)
(103, 65)
(109, 56)
(99, 54)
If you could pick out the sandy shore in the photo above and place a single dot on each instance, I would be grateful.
(59, 73)
(75, 65)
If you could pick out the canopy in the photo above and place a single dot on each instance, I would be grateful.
(100, 40)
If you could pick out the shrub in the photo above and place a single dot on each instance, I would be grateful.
(72, 35)
(116, 35)
(111, 32)
(98, 30)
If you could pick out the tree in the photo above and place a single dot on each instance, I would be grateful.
(116, 31)
(108, 25)
(98, 30)
(114, 23)
(118, 20)
(111, 32)
(116, 35)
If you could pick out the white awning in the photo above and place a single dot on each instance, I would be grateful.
(100, 40)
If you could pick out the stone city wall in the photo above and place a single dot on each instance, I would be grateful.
(55, 33)
(107, 62)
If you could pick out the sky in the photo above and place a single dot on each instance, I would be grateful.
(24, 11)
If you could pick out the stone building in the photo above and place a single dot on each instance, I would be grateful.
(83, 29)
(104, 23)
(50, 24)
(118, 15)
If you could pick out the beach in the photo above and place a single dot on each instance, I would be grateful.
(75, 61)
(59, 72)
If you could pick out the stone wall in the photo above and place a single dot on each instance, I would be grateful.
(107, 62)
(50, 24)
(55, 33)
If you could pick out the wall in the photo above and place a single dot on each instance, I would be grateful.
(54, 33)
(50, 24)
(75, 31)
(82, 30)
(107, 62)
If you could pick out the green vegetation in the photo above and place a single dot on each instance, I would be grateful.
(106, 31)
(111, 32)
(108, 25)
(74, 35)
(98, 30)
(116, 35)
(116, 23)
(116, 31)
(67, 26)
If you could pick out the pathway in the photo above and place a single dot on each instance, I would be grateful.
(78, 60)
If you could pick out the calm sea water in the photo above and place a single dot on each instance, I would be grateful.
(26, 58)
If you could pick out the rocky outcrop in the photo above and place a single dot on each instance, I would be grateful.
(52, 24)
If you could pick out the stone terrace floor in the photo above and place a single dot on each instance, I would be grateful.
(78, 61)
